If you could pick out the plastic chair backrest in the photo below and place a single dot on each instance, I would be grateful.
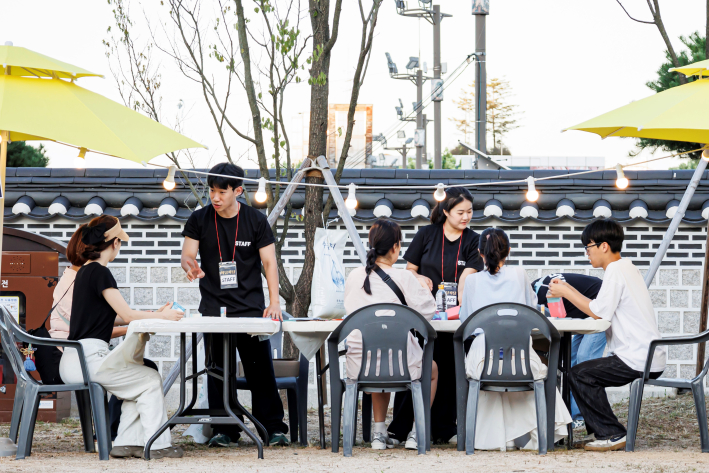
(10, 345)
(385, 332)
(507, 328)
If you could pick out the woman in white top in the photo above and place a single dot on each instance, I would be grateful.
(364, 288)
(504, 420)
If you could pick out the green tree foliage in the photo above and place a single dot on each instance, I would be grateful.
(447, 161)
(665, 80)
(22, 155)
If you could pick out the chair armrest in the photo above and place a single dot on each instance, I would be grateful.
(679, 340)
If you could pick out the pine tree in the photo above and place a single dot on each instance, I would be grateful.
(22, 155)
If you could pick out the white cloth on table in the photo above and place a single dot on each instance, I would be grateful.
(505, 417)
(143, 411)
(624, 301)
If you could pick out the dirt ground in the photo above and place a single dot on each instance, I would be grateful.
(668, 441)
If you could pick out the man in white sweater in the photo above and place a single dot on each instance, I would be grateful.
(625, 301)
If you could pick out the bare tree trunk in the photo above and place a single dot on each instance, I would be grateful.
(323, 43)
(661, 27)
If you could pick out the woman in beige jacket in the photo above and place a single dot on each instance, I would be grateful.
(364, 288)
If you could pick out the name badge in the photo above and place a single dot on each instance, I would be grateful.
(227, 275)
(451, 289)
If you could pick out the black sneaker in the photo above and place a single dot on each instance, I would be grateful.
(220, 440)
(278, 439)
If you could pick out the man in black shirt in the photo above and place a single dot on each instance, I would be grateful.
(583, 347)
(233, 240)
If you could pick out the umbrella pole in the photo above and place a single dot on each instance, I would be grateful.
(684, 203)
(4, 140)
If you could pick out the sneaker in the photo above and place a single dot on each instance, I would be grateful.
(169, 452)
(220, 440)
(613, 443)
(579, 424)
(453, 440)
(381, 441)
(411, 441)
(126, 451)
(278, 439)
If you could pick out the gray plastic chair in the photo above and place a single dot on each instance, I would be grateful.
(91, 397)
(385, 330)
(696, 384)
(507, 327)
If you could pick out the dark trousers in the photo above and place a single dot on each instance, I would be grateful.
(588, 381)
(256, 359)
(443, 410)
(115, 404)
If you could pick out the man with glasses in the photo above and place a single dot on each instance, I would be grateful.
(624, 301)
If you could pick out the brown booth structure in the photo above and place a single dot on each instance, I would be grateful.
(29, 273)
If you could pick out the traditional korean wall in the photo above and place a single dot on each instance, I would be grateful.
(148, 271)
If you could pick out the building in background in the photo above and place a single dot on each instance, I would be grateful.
(361, 142)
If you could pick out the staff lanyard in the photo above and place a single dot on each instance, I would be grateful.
(443, 246)
(233, 257)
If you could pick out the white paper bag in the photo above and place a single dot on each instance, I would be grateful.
(327, 296)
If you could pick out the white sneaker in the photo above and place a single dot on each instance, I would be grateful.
(453, 440)
(615, 443)
(411, 441)
(381, 441)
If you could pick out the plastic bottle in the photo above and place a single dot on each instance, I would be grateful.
(441, 304)
(556, 307)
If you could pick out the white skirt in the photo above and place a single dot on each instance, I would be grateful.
(507, 417)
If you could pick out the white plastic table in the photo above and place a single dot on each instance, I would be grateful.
(132, 348)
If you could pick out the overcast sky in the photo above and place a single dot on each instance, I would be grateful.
(566, 60)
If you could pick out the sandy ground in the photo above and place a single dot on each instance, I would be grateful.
(668, 441)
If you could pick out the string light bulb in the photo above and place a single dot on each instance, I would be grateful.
(621, 182)
(169, 182)
(532, 194)
(80, 160)
(351, 201)
(440, 194)
(705, 154)
(261, 195)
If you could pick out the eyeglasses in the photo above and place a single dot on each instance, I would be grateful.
(591, 246)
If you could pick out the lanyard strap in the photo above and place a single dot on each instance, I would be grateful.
(236, 235)
(443, 246)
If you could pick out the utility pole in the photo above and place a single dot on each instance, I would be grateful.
(419, 117)
(437, 75)
(480, 13)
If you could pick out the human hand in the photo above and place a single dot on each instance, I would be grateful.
(558, 288)
(273, 311)
(164, 307)
(425, 282)
(195, 272)
(172, 314)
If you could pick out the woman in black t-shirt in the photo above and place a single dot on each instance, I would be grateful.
(98, 306)
(444, 252)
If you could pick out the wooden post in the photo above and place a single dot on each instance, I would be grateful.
(346, 217)
(704, 307)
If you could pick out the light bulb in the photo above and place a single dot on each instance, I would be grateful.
(705, 154)
(532, 194)
(440, 194)
(80, 160)
(621, 182)
(351, 201)
(261, 195)
(169, 182)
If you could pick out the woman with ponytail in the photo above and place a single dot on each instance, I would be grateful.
(97, 306)
(446, 251)
(505, 420)
(364, 287)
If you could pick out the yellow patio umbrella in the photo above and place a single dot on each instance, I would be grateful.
(38, 103)
(677, 114)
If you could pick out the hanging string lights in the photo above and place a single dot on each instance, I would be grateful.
(621, 181)
(169, 182)
(351, 201)
(261, 195)
(440, 194)
(532, 194)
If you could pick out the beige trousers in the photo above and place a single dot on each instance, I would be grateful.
(140, 387)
